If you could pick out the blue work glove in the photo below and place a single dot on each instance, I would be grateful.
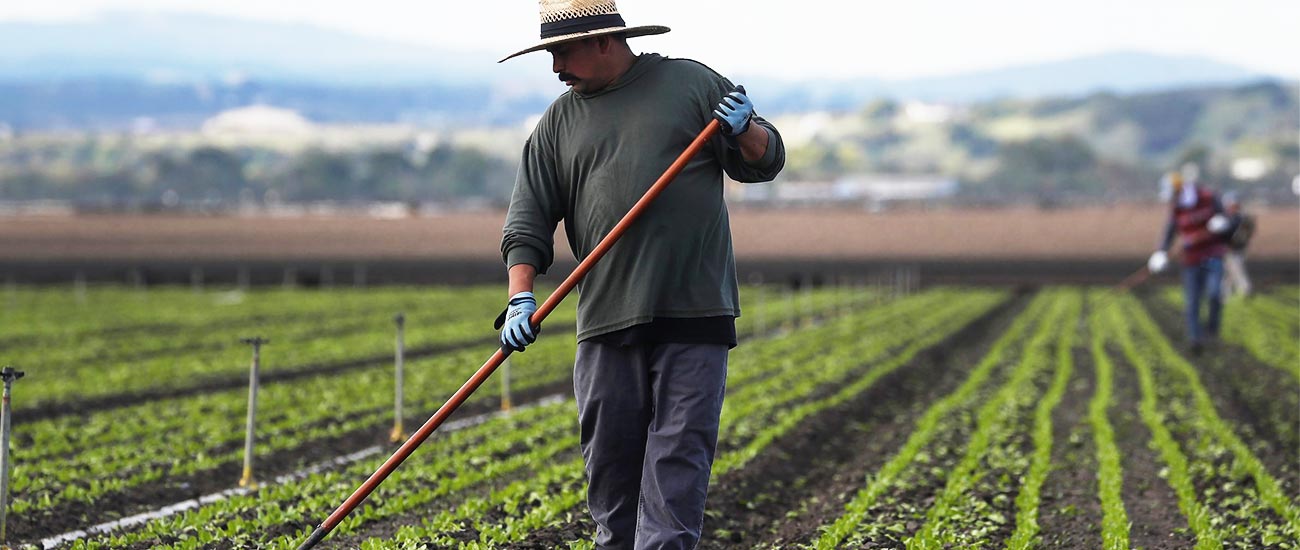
(516, 330)
(734, 111)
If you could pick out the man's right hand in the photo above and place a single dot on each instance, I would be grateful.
(1159, 259)
(734, 111)
(515, 323)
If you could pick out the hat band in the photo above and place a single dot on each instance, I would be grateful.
(581, 24)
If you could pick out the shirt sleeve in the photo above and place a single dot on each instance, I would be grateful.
(1167, 237)
(536, 208)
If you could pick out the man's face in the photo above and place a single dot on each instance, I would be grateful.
(580, 64)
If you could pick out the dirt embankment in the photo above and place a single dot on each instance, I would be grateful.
(1070, 234)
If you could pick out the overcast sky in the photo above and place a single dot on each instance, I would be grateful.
(806, 38)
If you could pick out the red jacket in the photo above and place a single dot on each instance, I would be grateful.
(1198, 242)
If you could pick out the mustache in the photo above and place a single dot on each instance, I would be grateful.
(567, 76)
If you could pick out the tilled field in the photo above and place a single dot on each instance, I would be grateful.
(1092, 233)
(1063, 417)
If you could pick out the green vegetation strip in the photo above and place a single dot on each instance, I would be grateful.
(929, 426)
(554, 502)
(207, 514)
(186, 437)
(460, 459)
(788, 418)
(1261, 325)
(995, 420)
(1198, 515)
(81, 460)
(1027, 502)
(1267, 486)
(1110, 477)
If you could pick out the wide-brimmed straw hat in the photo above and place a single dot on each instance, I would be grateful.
(566, 20)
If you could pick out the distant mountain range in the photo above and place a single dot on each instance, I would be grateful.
(178, 69)
(170, 48)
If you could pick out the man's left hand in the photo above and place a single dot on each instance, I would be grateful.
(734, 111)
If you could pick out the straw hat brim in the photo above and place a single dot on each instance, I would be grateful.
(643, 30)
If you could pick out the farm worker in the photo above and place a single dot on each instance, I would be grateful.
(656, 316)
(1197, 218)
(1241, 227)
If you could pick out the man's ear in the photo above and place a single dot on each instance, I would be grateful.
(604, 44)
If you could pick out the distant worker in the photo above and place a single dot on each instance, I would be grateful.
(1198, 220)
(1241, 227)
(656, 316)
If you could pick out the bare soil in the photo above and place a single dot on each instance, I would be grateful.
(826, 457)
(832, 453)
(1070, 510)
(1120, 232)
(1154, 518)
(1261, 401)
(111, 506)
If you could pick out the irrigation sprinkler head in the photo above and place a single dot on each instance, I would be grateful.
(8, 374)
(246, 481)
(255, 341)
(398, 435)
(400, 319)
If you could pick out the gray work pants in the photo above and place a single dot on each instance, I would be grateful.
(649, 417)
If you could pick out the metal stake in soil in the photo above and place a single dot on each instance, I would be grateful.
(359, 275)
(9, 375)
(808, 309)
(290, 278)
(79, 287)
(247, 479)
(399, 433)
(792, 313)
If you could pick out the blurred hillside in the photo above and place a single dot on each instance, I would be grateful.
(1097, 148)
(1100, 146)
(241, 115)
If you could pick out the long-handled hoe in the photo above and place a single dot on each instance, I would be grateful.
(492, 363)
(1136, 278)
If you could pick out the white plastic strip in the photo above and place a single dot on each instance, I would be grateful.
(190, 504)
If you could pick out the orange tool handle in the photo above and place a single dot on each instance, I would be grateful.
(495, 361)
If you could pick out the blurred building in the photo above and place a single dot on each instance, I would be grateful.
(257, 120)
(873, 191)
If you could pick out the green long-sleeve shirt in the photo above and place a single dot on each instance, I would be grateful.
(592, 156)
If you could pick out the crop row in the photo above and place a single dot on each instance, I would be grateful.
(881, 511)
(775, 404)
(68, 460)
(50, 316)
(101, 332)
(310, 500)
(317, 339)
(55, 437)
(1227, 495)
(1110, 479)
(745, 388)
(179, 438)
(504, 447)
(306, 329)
(1263, 325)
